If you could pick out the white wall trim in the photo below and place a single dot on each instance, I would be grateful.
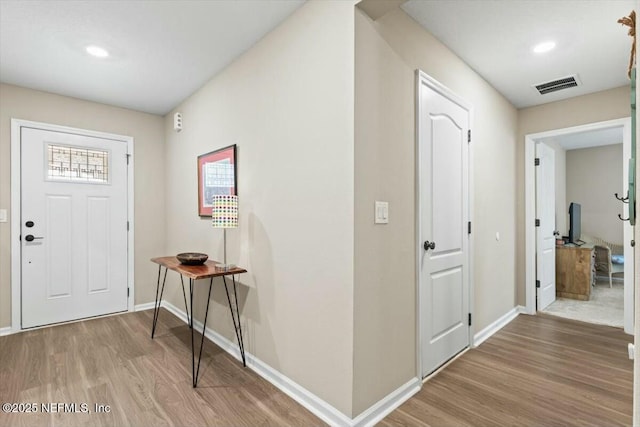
(16, 248)
(131, 259)
(6, 331)
(145, 306)
(313, 403)
(529, 224)
(530, 206)
(384, 407)
(304, 397)
(494, 327)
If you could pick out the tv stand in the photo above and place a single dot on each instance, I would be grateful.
(575, 271)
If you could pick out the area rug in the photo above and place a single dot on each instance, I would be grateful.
(606, 306)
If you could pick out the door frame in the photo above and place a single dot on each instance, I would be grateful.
(530, 203)
(16, 203)
(423, 78)
(555, 226)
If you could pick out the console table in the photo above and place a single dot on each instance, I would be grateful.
(207, 270)
(575, 270)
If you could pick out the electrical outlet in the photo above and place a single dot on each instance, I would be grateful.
(3, 215)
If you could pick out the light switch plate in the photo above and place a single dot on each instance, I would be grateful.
(3, 215)
(381, 214)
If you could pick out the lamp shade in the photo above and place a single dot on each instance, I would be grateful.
(224, 213)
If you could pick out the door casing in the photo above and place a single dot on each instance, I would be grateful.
(16, 126)
(543, 264)
(422, 77)
(530, 208)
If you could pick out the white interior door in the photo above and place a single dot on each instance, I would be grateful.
(443, 129)
(73, 226)
(546, 214)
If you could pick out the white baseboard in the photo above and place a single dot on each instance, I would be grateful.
(388, 404)
(500, 323)
(145, 306)
(304, 397)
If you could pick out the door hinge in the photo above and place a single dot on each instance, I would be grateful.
(127, 225)
(537, 223)
(469, 319)
(469, 227)
(128, 156)
(127, 292)
(537, 283)
(537, 161)
(469, 135)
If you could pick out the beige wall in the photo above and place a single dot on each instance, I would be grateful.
(387, 53)
(288, 105)
(593, 176)
(148, 133)
(596, 107)
(384, 317)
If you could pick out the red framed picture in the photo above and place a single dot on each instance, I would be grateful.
(216, 175)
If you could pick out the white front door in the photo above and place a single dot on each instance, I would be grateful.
(443, 147)
(546, 215)
(73, 226)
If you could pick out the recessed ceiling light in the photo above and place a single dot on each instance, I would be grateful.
(544, 47)
(97, 51)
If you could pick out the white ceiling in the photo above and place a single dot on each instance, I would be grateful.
(161, 51)
(495, 38)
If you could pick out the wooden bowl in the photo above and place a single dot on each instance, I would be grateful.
(192, 258)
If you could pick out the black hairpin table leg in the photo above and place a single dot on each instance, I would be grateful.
(235, 316)
(186, 309)
(158, 302)
(195, 371)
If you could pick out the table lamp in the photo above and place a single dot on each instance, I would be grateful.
(224, 214)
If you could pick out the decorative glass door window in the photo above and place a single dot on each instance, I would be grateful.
(77, 164)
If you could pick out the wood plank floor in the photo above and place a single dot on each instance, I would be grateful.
(113, 361)
(537, 371)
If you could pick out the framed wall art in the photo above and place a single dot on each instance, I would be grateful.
(217, 175)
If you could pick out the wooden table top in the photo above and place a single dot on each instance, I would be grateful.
(204, 271)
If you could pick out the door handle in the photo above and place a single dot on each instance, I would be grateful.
(429, 245)
(31, 237)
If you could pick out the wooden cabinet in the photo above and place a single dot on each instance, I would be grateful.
(575, 271)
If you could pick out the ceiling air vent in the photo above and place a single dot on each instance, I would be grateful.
(559, 84)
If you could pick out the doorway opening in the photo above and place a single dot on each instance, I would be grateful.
(587, 156)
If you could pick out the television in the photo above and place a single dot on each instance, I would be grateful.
(574, 223)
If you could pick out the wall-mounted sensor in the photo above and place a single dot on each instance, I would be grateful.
(177, 122)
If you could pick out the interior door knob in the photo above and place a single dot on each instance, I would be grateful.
(31, 237)
(429, 245)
